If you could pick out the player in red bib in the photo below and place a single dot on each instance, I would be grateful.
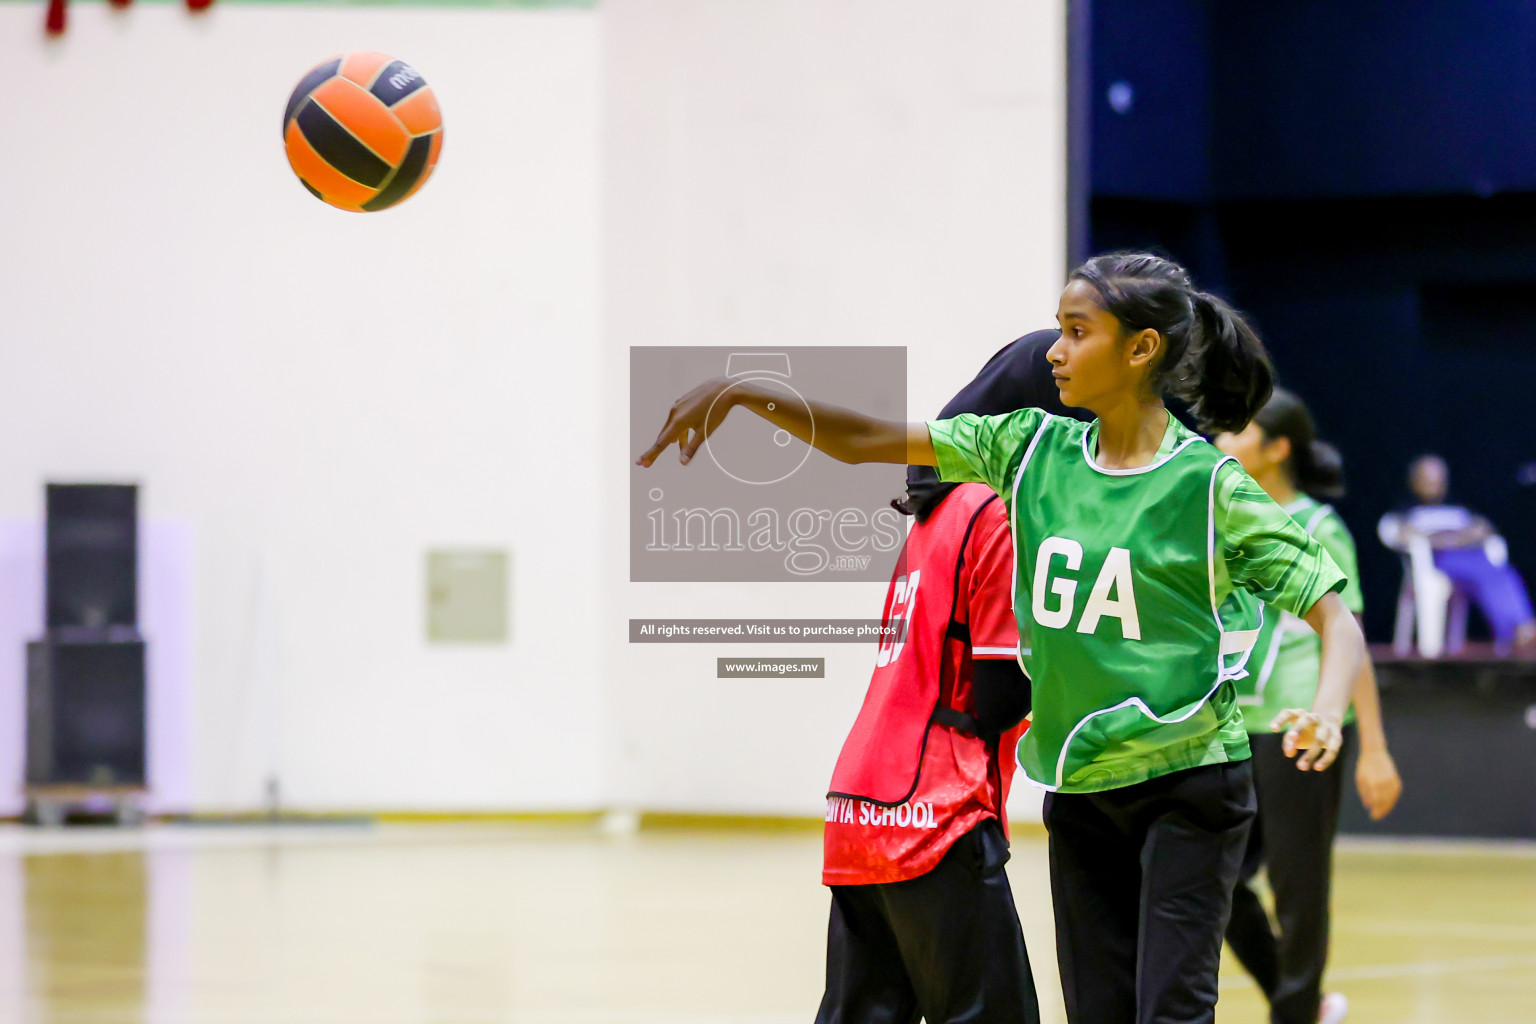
(923, 921)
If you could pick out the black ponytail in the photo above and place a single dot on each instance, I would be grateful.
(1212, 359)
(1315, 466)
(1232, 378)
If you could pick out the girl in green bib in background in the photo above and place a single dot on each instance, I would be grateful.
(1144, 557)
(1292, 837)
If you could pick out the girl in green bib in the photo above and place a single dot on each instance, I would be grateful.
(1143, 559)
(1292, 837)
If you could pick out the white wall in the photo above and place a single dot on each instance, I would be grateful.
(321, 395)
(800, 172)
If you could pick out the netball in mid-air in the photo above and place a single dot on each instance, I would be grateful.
(363, 131)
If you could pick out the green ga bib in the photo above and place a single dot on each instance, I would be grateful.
(1129, 629)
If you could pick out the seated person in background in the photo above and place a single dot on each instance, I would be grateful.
(1466, 548)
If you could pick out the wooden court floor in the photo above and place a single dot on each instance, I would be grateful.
(455, 924)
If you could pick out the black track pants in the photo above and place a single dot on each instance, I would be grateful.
(1141, 880)
(945, 946)
(1293, 840)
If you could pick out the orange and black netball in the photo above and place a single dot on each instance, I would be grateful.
(363, 131)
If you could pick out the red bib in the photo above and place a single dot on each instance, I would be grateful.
(913, 776)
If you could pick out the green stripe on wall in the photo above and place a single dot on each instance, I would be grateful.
(511, 4)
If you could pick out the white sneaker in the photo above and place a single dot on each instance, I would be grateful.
(1334, 1009)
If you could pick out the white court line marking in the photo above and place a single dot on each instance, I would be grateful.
(26, 840)
(1424, 968)
(424, 1017)
(1411, 969)
(1518, 848)
(1479, 931)
(22, 840)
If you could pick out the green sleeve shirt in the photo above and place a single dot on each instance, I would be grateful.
(1286, 663)
(983, 449)
(1086, 735)
(1265, 551)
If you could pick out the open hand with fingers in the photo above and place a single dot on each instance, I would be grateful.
(691, 420)
(1316, 737)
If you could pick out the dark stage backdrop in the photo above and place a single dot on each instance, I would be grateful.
(1361, 177)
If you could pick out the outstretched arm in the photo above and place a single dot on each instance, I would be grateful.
(1318, 734)
(845, 435)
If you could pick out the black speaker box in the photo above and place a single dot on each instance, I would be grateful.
(85, 712)
(93, 557)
